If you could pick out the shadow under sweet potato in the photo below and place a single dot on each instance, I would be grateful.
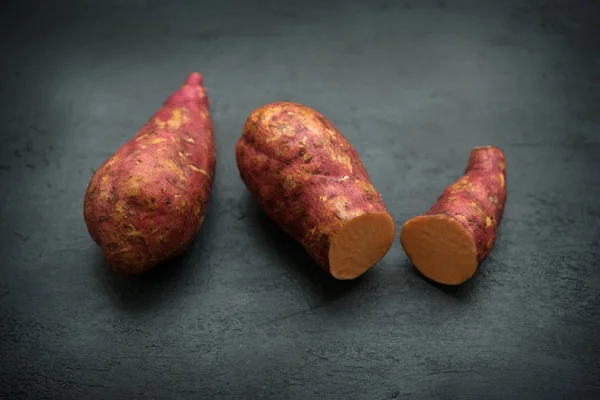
(318, 286)
(459, 292)
(148, 290)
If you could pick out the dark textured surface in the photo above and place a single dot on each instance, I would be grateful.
(245, 314)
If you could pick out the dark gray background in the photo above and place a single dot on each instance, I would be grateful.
(245, 313)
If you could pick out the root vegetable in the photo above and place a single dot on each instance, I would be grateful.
(448, 243)
(310, 180)
(146, 203)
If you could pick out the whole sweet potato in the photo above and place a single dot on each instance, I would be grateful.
(147, 202)
(310, 180)
(448, 243)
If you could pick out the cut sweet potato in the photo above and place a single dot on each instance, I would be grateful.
(310, 180)
(449, 242)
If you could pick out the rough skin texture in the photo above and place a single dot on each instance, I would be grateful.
(477, 199)
(304, 174)
(449, 242)
(146, 203)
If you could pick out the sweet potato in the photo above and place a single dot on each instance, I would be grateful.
(146, 203)
(449, 242)
(310, 180)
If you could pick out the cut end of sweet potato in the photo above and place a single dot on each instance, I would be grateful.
(360, 243)
(440, 248)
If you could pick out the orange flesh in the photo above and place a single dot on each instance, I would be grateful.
(360, 243)
(440, 248)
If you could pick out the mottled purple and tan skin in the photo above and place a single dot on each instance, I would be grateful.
(449, 242)
(310, 180)
(146, 203)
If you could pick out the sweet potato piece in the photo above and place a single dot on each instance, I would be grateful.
(146, 203)
(310, 180)
(448, 243)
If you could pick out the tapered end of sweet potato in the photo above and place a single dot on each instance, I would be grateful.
(360, 243)
(195, 78)
(440, 248)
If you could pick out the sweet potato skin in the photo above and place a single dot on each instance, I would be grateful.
(304, 174)
(477, 199)
(146, 203)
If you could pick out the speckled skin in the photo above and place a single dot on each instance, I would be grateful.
(304, 174)
(147, 202)
(477, 199)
